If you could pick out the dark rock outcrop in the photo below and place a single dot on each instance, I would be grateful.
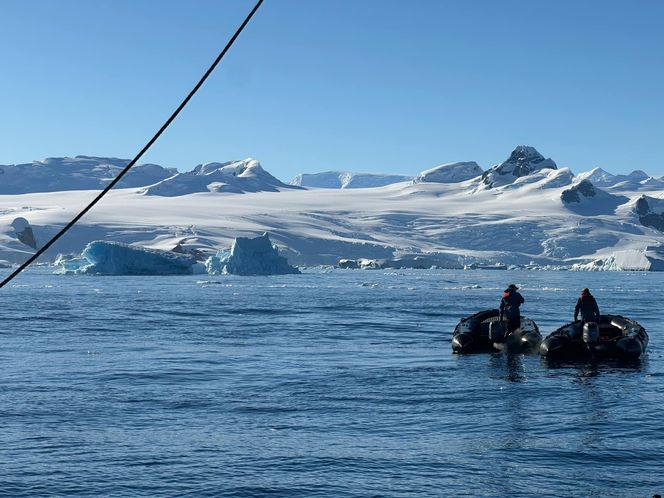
(583, 188)
(647, 216)
(24, 232)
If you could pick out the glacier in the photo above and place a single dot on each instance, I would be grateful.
(535, 215)
(250, 256)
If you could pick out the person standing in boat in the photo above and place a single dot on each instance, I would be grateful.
(587, 306)
(509, 307)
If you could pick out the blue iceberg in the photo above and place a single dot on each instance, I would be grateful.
(249, 256)
(115, 258)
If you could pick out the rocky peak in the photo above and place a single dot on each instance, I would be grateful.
(523, 161)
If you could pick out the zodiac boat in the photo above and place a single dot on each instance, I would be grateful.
(613, 336)
(484, 332)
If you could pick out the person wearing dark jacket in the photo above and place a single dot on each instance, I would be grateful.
(509, 307)
(587, 305)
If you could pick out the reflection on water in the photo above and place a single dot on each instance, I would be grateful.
(508, 367)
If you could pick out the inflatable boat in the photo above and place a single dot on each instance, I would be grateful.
(484, 332)
(613, 336)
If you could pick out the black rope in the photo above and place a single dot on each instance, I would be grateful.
(87, 208)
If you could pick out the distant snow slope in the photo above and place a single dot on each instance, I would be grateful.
(234, 176)
(587, 200)
(346, 179)
(450, 173)
(541, 216)
(76, 173)
(635, 180)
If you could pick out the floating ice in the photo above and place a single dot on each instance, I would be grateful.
(115, 258)
(249, 256)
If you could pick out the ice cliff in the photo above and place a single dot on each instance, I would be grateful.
(651, 258)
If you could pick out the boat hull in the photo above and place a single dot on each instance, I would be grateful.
(618, 337)
(483, 332)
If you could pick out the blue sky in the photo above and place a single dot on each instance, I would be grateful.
(313, 85)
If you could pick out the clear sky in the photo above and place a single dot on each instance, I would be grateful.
(312, 85)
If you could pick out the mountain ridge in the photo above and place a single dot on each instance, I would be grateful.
(85, 172)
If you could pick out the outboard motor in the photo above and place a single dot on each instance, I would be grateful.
(497, 331)
(591, 333)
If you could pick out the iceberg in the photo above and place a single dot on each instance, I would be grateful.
(115, 258)
(67, 264)
(250, 256)
(607, 264)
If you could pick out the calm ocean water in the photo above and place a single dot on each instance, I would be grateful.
(327, 384)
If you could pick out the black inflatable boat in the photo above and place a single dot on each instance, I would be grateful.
(613, 336)
(484, 332)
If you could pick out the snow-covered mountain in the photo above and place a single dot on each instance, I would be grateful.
(56, 174)
(450, 173)
(635, 180)
(598, 177)
(346, 179)
(533, 214)
(234, 177)
(523, 161)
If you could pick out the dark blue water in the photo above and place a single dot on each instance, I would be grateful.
(327, 384)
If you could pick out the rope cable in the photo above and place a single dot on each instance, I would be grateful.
(145, 148)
